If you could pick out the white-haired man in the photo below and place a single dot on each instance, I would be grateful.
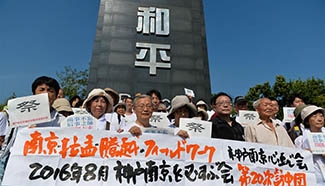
(267, 131)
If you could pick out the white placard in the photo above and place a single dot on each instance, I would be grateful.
(159, 119)
(189, 92)
(169, 131)
(317, 142)
(288, 115)
(29, 110)
(79, 111)
(248, 117)
(84, 121)
(196, 127)
(317, 145)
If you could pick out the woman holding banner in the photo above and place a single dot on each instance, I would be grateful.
(313, 120)
(98, 104)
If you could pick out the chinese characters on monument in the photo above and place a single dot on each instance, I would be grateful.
(155, 21)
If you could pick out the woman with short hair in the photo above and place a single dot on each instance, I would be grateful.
(313, 121)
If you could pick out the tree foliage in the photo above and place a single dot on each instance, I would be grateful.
(2, 105)
(312, 91)
(73, 82)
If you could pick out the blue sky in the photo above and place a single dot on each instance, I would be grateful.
(249, 42)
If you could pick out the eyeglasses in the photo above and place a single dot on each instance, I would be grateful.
(144, 106)
(224, 103)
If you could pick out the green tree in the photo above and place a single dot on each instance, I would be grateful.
(312, 91)
(2, 105)
(73, 82)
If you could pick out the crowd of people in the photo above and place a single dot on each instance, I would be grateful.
(132, 115)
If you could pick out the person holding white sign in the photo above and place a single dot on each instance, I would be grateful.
(294, 101)
(143, 108)
(223, 126)
(41, 85)
(266, 131)
(181, 108)
(313, 120)
(51, 87)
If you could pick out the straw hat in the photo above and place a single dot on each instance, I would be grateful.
(62, 104)
(201, 102)
(95, 93)
(310, 110)
(178, 102)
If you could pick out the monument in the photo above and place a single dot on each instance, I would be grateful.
(151, 44)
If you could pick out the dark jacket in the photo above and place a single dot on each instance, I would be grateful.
(221, 129)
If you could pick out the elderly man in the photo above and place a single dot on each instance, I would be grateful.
(223, 126)
(266, 130)
(143, 108)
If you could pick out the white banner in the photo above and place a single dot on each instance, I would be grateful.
(196, 127)
(29, 110)
(55, 156)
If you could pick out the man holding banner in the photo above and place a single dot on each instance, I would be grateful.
(51, 87)
(223, 126)
(41, 85)
(266, 131)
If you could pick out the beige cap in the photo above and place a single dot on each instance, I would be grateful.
(307, 111)
(180, 101)
(62, 104)
(98, 92)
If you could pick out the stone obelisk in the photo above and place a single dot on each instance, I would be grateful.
(143, 45)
